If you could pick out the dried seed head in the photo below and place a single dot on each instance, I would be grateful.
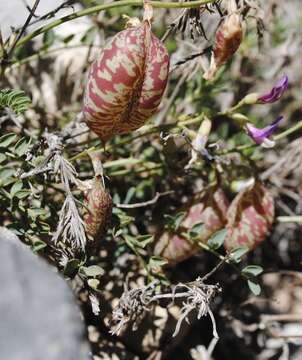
(126, 83)
(97, 211)
(191, 19)
(250, 217)
(209, 210)
(131, 21)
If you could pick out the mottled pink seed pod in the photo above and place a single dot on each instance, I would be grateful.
(250, 217)
(227, 39)
(209, 210)
(126, 82)
(97, 211)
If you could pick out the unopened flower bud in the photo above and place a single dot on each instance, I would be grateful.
(203, 133)
(240, 118)
(131, 21)
(250, 99)
(205, 127)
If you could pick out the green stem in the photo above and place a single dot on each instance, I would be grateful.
(225, 259)
(288, 131)
(115, 4)
(145, 130)
(123, 162)
(290, 219)
(136, 171)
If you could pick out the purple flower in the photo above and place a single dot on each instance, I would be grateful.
(260, 136)
(276, 92)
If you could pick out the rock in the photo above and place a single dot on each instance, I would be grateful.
(39, 317)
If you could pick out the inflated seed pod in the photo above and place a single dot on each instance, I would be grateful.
(250, 217)
(126, 82)
(227, 40)
(209, 210)
(97, 211)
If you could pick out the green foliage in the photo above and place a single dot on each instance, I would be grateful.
(196, 230)
(216, 241)
(252, 270)
(138, 242)
(91, 271)
(16, 100)
(237, 254)
(254, 287)
(174, 221)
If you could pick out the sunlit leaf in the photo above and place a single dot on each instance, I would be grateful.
(217, 239)
(91, 271)
(253, 270)
(7, 139)
(254, 287)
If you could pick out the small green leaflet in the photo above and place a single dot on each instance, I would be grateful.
(217, 239)
(252, 270)
(254, 287)
(16, 187)
(91, 271)
(175, 221)
(196, 230)
(237, 253)
(7, 139)
(22, 146)
(156, 262)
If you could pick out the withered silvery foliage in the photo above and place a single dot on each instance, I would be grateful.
(190, 20)
(134, 303)
(193, 21)
(70, 225)
(202, 23)
(132, 306)
(95, 305)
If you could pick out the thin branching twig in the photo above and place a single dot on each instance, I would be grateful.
(136, 302)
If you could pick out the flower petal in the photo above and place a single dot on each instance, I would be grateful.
(261, 135)
(268, 144)
(276, 92)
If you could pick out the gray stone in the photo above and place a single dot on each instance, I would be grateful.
(38, 315)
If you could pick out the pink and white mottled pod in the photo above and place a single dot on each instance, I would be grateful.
(228, 38)
(97, 211)
(209, 210)
(250, 217)
(126, 82)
